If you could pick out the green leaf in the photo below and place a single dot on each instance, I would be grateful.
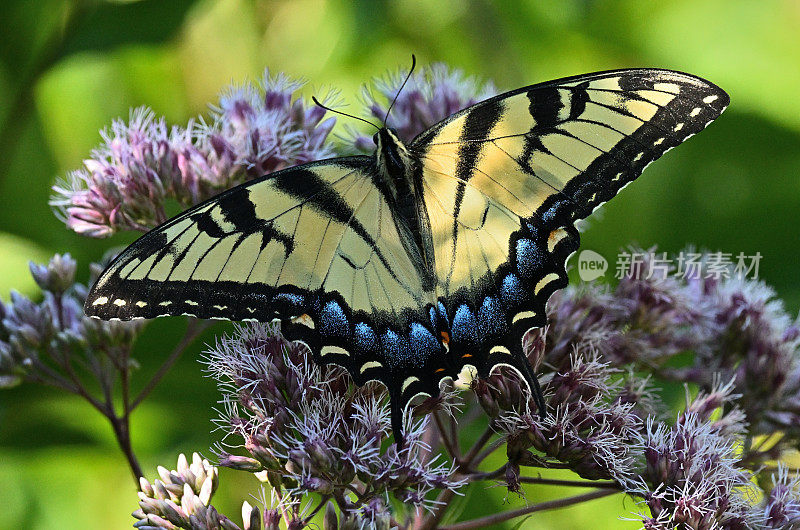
(14, 271)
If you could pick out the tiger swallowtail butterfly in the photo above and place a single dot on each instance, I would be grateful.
(429, 256)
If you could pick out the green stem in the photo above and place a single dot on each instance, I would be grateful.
(445, 437)
(193, 329)
(511, 514)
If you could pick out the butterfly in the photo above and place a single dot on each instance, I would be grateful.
(430, 256)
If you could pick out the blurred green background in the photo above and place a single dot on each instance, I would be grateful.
(68, 68)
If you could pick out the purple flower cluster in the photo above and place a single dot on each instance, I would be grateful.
(755, 343)
(42, 341)
(735, 329)
(589, 429)
(698, 471)
(782, 505)
(689, 473)
(141, 164)
(432, 94)
(308, 429)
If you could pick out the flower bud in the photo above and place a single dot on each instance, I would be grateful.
(272, 519)
(485, 397)
(242, 463)
(251, 517)
(57, 276)
(330, 520)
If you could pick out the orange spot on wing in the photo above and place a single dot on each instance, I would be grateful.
(445, 337)
(466, 355)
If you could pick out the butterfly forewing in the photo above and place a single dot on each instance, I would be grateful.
(320, 226)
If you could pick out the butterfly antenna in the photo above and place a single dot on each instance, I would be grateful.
(413, 64)
(316, 102)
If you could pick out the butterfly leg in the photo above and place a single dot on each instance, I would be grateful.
(524, 366)
(397, 409)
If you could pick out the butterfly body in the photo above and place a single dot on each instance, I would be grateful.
(398, 172)
(430, 256)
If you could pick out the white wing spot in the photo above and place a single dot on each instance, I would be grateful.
(325, 350)
(191, 302)
(168, 302)
(141, 303)
(371, 364)
(619, 176)
(100, 301)
(119, 302)
(695, 112)
(251, 309)
(407, 382)
(658, 142)
(710, 99)
(521, 315)
(220, 307)
(678, 127)
(638, 157)
(500, 349)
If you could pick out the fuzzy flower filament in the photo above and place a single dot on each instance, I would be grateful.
(141, 164)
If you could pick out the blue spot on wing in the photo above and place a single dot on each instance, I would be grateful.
(443, 312)
(465, 328)
(295, 301)
(333, 321)
(491, 319)
(396, 349)
(529, 257)
(423, 341)
(364, 339)
(511, 291)
(290, 297)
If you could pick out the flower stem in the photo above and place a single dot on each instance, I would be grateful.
(121, 426)
(444, 434)
(193, 329)
(548, 505)
(608, 484)
(447, 495)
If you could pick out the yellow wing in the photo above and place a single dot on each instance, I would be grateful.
(539, 158)
(245, 253)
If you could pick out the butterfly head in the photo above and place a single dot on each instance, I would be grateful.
(392, 155)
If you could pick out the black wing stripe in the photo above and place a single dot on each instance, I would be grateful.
(159, 256)
(477, 124)
(529, 170)
(319, 194)
(489, 177)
